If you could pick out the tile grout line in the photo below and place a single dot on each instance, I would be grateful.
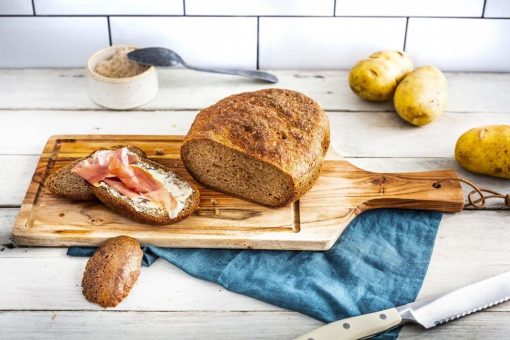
(258, 39)
(483, 8)
(405, 34)
(251, 16)
(33, 8)
(334, 8)
(184, 7)
(109, 30)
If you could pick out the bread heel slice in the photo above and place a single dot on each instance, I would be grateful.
(66, 184)
(112, 271)
(143, 211)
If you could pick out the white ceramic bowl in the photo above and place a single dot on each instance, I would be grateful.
(120, 93)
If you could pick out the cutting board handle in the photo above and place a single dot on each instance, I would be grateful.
(431, 190)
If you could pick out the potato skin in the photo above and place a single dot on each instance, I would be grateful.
(377, 77)
(422, 96)
(485, 150)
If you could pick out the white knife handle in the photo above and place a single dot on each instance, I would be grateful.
(358, 327)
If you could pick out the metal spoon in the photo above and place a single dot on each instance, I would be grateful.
(159, 56)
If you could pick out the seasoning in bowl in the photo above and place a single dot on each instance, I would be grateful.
(119, 66)
(116, 82)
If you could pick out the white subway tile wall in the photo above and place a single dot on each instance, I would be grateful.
(261, 7)
(413, 8)
(201, 41)
(326, 42)
(50, 42)
(16, 7)
(455, 35)
(460, 44)
(109, 7)
(497, 9)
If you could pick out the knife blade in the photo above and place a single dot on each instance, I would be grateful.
(428, 312)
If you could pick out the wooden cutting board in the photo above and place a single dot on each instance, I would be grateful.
(313, 223)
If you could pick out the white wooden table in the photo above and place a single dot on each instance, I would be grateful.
(40, 293)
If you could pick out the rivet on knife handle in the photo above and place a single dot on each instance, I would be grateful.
(357, 327)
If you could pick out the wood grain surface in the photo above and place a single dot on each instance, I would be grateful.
(40, 295)
(64, 89)
(313, 223)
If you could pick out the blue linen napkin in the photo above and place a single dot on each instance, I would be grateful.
(379, 262)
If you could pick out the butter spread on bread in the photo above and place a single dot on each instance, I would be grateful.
(266, 146)
(179, 190)
(112, 271)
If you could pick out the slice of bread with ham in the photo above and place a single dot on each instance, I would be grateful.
(66, 184)
(133, 186)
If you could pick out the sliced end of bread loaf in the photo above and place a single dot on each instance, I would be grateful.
(142, 210)
(112, 271)
(66, 184)
(214, 164)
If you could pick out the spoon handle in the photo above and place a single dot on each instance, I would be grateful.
(267, 77)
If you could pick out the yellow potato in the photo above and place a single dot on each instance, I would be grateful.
(377, 77)
(422, 96)
(485, 150)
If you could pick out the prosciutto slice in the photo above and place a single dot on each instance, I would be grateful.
(95, 168)
(116, 168)
(120, 187)
(120, 167)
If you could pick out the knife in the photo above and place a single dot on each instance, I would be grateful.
(427, 313)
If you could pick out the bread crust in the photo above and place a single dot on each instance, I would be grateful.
(153, 216)
(112, 271)
(282, 128)
(67, 184)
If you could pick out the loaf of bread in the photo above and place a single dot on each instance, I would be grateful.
(112, 271)
(266, 146)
